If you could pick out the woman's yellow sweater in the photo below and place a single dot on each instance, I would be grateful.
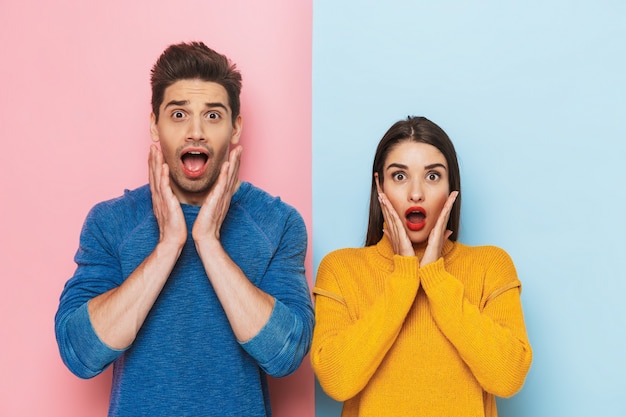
(393, 339)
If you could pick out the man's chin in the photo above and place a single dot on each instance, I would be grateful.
(192, 189)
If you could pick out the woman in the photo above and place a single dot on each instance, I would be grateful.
(416, 323)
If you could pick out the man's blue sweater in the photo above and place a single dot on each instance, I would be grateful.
(185, 360)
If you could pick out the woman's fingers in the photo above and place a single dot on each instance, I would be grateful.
(439, 234)
(395, 229)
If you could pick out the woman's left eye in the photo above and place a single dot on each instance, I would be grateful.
(433, 176)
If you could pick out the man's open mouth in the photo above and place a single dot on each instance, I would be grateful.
(194, 162)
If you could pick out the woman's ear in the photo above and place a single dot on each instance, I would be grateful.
(378, 187)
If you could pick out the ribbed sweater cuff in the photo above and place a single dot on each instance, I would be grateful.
(405, 266)
(272, 345)
(433, 274)
(92, 352)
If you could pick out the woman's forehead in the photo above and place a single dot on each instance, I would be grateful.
(410, 153)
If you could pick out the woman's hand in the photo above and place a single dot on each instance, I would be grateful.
(394, 227)
(439, 234)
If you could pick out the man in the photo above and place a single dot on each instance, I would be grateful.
(192, 286)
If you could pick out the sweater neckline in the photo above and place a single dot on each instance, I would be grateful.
(385, 248)
(241, 191)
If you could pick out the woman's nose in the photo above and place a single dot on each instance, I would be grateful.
(416, 193)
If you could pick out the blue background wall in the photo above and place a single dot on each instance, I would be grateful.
(533, 93)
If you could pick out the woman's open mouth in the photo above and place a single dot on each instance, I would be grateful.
(415, 218)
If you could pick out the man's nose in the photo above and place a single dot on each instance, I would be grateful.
(196, 131)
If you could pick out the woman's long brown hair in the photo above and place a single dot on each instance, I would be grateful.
(421, 130)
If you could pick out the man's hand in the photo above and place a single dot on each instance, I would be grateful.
(217, 202)
(118, 314)
(167, 210)
(248, 308)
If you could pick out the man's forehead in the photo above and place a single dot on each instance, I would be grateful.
(187, 92)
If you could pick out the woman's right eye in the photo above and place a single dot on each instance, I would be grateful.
(398, 176)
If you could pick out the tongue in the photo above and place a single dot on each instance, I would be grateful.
(193, 162)
(415, 217)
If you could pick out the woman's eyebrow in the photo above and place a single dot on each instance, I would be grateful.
(427, 167)
(396, 165)
(436, 165)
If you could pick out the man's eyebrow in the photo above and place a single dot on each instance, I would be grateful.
(186, 102)
(216, 104)
(176, 103)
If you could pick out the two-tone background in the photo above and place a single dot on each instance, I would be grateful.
(533, 94)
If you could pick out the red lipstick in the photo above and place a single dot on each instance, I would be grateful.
(415, 218)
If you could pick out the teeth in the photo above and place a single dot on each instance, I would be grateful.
(194, 153)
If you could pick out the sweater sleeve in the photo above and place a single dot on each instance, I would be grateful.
(97, 271)
(491, 337)
(349, 343)
(284, 341)
(81, 349)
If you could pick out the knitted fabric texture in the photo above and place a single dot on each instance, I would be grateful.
(394, 339)
(185, 360)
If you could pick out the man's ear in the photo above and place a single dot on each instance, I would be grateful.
(237, 128)
(154, 132)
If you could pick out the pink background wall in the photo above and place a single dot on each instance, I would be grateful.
(74, 112)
